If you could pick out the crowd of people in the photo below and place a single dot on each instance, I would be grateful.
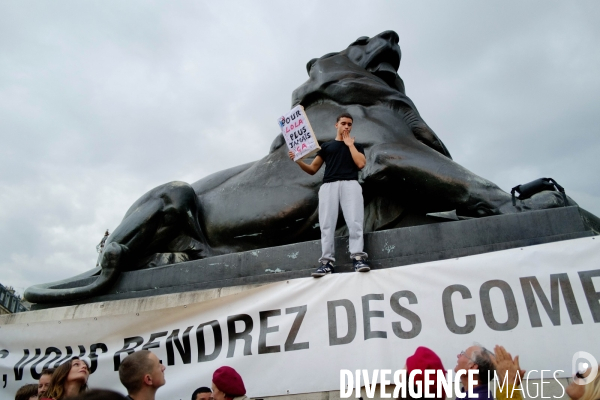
(499, 365)
(142, 374)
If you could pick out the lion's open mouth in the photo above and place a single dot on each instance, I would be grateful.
(385, 63)
(385, 71)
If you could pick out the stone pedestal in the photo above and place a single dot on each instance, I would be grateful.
(390, 248)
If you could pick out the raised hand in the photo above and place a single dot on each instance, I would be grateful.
(505, 364)
(348, 140)
(291, 155)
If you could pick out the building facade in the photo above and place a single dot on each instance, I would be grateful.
(9, 302)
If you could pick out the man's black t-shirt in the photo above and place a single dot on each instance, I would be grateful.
(339, 165)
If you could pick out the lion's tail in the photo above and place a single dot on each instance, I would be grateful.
(94, 282)
(90, 283)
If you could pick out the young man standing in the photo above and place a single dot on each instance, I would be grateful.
(343, 159)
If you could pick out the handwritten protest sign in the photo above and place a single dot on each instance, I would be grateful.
(298, 133)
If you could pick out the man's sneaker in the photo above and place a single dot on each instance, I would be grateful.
(360, 265)
(323, 270)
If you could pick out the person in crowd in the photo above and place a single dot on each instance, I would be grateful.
(68, 380)
(27, 392)
(580, 390)
(44, 381)
(227, 384)
(142, 374)
(424, 359)
(100, 394)
(510, 374)
(202, 393)
(476, 358)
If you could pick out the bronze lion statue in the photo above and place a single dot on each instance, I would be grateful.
(271, 202)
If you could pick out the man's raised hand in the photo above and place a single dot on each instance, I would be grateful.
(291, 154)
(348, 140)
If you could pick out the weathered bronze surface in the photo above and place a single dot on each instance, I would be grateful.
(271, 202)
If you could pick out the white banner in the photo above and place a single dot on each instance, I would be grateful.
(541, 302)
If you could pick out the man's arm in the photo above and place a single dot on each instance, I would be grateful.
(359, 158)
(309, 169)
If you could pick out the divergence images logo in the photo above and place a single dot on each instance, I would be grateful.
(580, 363)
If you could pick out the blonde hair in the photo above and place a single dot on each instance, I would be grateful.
(592, 389)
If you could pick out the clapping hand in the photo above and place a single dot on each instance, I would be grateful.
(506, 365)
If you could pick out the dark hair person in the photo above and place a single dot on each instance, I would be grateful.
(68, 380)
(202, 393)
(344, 115)
(27, 392)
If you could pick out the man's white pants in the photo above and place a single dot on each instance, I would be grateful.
(348, 195)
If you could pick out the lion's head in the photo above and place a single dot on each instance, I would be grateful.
(364, 77)
(367, 67)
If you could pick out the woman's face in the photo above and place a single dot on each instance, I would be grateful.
(79, 372)
(575, 391)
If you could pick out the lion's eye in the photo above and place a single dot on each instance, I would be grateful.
(361, 40)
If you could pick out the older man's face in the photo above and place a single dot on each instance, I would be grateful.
(465, 359)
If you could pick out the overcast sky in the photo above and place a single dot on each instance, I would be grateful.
(100, 101)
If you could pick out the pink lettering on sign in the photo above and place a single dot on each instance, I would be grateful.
(293, 126)
(300, 148)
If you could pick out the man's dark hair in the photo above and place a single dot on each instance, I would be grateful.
(202, 389)
(344, 115)
(26, 391)
(47, 371)
(482, 357)
(133, 368)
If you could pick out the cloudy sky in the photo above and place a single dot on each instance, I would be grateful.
(101, 101)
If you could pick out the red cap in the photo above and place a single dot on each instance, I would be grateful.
(423, 359)
(229, 381)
